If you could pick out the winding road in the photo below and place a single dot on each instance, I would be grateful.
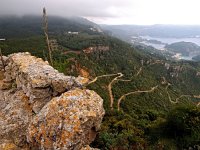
(169, 97)
(140, 70)
(115, 80)
(135, 92)
(110, 85)
(110, 89)
(120, 75)
(95, 79)
(177, 99)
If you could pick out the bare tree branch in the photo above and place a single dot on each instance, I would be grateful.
(45, 26)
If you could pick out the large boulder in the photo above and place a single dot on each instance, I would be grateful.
(69, 121)
(15, 115)
(41, 108)
(39, 81)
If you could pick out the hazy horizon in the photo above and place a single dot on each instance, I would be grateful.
(112, 12)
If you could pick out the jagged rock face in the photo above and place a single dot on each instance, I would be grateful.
(66, 120)
(15, 116)
(34, 116)
(38, 80)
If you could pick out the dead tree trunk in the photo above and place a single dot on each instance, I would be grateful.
(45, 26)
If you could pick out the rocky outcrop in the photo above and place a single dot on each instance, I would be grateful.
(39, 81)
(44, 109)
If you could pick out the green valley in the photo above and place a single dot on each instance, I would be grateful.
(151, 102)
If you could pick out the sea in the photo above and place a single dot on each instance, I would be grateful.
(170, 40)
(165, 41)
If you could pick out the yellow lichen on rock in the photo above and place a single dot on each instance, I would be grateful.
(8, 146)
(67, 126)
(41, 108)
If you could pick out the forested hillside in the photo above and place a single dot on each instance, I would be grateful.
(184, 48)
(150, 102)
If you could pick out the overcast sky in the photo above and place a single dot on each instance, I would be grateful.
(112, 11)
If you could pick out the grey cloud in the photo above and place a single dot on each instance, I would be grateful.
(85, 8)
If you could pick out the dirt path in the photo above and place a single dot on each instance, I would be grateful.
(169, 97)
(115, 80)
(120, 75)
(135, 92)
(110, 85)
(124, 80)
(110, 89)
(191, 96)
(72, 51)
(139, 71)
(95, 79)
(177, 99)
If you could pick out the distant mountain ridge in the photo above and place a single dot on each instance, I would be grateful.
(171, 31)
(12, 26)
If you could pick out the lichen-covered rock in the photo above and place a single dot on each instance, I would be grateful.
(41, 108)
(37, 78)
(81, 81)
(4, 63)
(15, 116)
(88, 148)
(69, 121)
(8, 145)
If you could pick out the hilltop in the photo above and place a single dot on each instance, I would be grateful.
(27, 26)
(184, 48)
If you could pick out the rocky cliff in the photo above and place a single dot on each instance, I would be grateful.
(44, 109)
